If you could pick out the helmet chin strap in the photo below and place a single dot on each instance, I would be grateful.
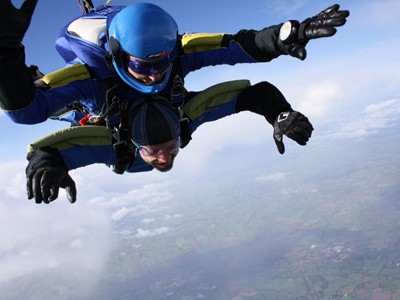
(113, 46)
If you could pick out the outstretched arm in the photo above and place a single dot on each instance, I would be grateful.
(16, 85)
(52, 156)
(291, 37)
(263, 98)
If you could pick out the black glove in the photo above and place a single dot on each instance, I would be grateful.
(14, 22)
(45, 174)
(295, 126)
(294, 36)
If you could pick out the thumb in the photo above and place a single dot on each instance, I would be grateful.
(297, 51)
(70, 189)
(278, 138)
(29, 188)
(28, 7)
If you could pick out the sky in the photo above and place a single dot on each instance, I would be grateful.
(348, 87)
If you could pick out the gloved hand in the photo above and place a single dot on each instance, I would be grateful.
(14, 22)
(46, 173)
(294, 36)
(295, 126)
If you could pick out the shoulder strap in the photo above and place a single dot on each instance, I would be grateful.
(177, 98)
(116, 117)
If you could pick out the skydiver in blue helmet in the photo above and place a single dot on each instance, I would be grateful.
(146, 55)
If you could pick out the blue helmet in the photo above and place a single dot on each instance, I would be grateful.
(144, 31)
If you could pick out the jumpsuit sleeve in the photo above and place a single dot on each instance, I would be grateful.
(227, 98)
(246, 46)
(35, 102)
(81, 146)
(262, 45)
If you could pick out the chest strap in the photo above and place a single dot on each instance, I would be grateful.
(177, 98)
(116, 116)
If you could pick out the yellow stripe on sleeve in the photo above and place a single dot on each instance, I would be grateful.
(198, 42)
(74, 136)
(66, 75)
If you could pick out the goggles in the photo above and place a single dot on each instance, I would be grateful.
(149, 68)
(148, 150)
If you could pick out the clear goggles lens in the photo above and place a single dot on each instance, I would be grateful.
(171, 148)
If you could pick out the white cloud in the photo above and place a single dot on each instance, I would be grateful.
(387, 109)
(148, 220)
(278, 176)
(13, 179)
(142, 233)
(326, 85)
(77, 244)
(149, 198)
(174, 216)
(35, 237)
(318, 99)
(374, 118)
(148, 194)
(232, 133)
(122, 213)
(329, 85)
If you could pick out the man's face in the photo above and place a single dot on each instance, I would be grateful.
(160, 156)
(148, 72)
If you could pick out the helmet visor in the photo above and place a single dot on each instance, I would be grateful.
(148, 68)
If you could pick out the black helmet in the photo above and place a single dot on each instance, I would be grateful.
(153, 122)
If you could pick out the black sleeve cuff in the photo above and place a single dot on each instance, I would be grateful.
(264, 99)
(261, 45)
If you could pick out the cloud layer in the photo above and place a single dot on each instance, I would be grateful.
(348, 93)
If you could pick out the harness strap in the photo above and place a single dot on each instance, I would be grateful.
(177, 98)
(186, 134)
(123, 150)
(113, 106)
(115, 113)
(177, 91)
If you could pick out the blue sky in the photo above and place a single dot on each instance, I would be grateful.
(361, 58)
(348, 87)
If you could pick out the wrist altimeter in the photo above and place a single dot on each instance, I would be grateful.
(288, 33)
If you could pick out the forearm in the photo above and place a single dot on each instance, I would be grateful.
(264, 99)
(57, 91)
(213, 103)
(17, 90)
(261, 45)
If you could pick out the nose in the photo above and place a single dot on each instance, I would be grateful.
(163, 157)
(155, 77)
